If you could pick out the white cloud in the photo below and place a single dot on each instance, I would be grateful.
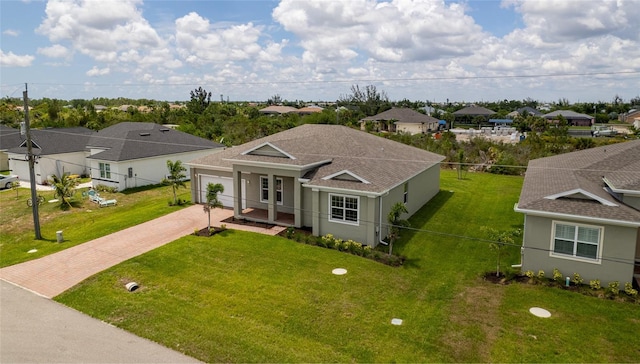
(55, 51)
(200, 42)
(95, 71)
(11, 32)
(559, 20)
(13, 60)
(396, 31)
(99, 29)
(410, 48)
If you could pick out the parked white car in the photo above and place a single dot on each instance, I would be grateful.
(7, 180)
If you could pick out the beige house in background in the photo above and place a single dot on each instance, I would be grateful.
(329, 178)
(401, 120)
(582, 213)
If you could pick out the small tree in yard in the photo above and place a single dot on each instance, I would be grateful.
(396, 223)
(212, 200)
(64, 188)
(15, 185)
(502, 239)
(175, 178)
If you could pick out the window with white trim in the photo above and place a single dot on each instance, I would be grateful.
(105, 170)
(264, 190)
(577, 241)
(344, 209)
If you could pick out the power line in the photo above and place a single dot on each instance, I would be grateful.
(387, 225)
(405, 79)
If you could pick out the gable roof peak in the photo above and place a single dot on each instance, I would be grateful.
(269, 150)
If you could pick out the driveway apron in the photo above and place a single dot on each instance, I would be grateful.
(53, 274)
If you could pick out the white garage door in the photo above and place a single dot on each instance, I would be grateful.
(225, 197)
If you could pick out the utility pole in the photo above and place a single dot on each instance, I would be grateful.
(32, 173)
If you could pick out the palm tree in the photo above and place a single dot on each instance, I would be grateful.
(395, 222)
(175, 178)
(212, 200)
(64, 187)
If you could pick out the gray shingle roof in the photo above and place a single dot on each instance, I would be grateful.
(9, 137)
(584, 171)
(56, 141)
(567, 114)
(475, 111)
(129, 140)
(382, 162)
(403, 115)
(528, 110)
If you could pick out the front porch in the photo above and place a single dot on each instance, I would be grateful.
(262, 215)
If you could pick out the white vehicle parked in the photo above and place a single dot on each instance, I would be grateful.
(602, 130)
(7, 180)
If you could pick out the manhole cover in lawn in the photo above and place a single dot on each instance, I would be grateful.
(396, 321)
(339, 271)
(540, 312)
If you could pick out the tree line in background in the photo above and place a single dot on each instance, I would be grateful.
(234, 123)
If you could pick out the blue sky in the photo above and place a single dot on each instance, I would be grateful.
(315, 50)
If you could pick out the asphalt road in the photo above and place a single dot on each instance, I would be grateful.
(34, 329)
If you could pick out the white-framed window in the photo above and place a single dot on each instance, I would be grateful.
(264, 190)
(105, 170)
(405, 196)
(576, 241)
(344, 209)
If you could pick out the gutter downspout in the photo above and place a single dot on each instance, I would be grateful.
(523, 240)
(380, 241)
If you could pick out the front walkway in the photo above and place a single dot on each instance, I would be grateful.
(53, 274)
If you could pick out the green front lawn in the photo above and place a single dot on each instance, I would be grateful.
(81, 223)
(244, 297)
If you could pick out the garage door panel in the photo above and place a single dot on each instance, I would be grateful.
(226, 197)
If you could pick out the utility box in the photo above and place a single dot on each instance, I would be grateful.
(59, 237)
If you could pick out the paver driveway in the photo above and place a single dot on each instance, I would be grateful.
(53, 274)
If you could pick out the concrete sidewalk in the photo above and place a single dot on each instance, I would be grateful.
(53, 274)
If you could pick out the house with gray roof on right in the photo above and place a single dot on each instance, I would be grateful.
(582, 214)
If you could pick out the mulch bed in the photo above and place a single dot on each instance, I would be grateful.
(233, 220)
(207, 232)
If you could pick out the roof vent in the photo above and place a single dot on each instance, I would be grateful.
(145, 134)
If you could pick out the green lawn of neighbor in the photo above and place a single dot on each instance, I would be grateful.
(245, 297)
(83, 222)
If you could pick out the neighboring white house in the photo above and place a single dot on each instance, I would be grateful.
(130, 154)
(9, 138)
(124, 155)
(57, 151)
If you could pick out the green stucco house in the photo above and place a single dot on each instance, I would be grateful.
(329, 178)
(582, 213)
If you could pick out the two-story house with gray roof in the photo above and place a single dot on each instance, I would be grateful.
(130, 154)
(330, 178)
(582, 213)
